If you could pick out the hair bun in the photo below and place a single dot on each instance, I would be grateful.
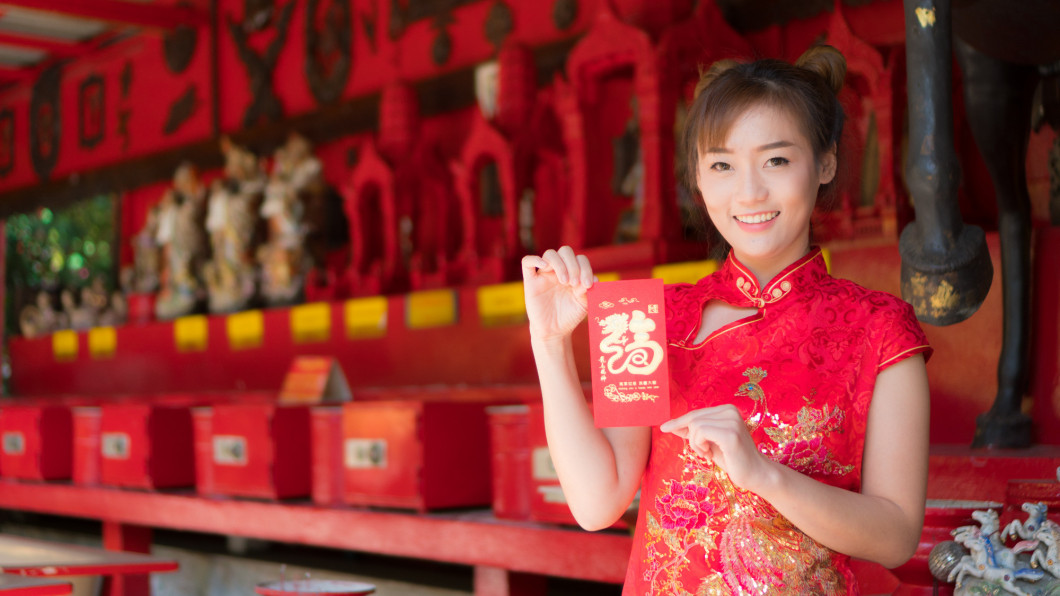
(827, 62)
(708, 76)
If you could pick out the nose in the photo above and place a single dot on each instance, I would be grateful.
(750, 187)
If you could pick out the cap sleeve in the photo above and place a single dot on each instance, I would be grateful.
(899, 335)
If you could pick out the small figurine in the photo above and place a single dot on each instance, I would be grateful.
(231, 222)
(40, 318)
(182, 240)
(146, 255)
(980, 563)
(116, 312)
(297, 178)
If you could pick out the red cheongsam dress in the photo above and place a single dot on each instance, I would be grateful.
(802, 372)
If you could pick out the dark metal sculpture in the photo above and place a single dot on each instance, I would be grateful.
(946, 270)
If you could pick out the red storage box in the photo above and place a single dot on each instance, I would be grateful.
(86, 445)
(37, 442)
(327, 455)
(145, 446)
(416, 455)
(547, 502)
(261, 450)
(510, 451)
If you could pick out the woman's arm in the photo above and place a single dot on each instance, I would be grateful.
(882, 523)
(599, 470)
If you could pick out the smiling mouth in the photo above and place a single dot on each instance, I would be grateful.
(757, 218)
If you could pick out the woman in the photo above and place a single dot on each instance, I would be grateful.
(801, 401)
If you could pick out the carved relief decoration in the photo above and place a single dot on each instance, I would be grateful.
(45, 122)
(7, 141)
(91, 103)
(328, 48)
(257, 18)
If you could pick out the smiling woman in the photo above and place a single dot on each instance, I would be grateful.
(788, 386)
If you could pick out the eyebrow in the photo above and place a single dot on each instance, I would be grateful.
(766, 147)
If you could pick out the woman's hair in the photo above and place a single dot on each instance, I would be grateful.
(807, 90)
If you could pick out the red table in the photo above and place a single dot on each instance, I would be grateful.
(12, 585)
(41, 558)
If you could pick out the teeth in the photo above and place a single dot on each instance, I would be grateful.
(757, 218)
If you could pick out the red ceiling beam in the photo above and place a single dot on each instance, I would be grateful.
(151, 16)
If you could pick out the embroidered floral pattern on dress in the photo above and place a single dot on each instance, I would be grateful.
(759, 551)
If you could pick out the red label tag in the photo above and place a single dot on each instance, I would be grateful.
(627, 349)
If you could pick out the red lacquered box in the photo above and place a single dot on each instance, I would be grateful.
(37, 442)
(261, 450)
(416, 455)
(547, 502)
(146, 446)
(86, 445)
(327, 455)
(510, 452)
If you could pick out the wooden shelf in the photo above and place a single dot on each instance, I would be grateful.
(473, 537)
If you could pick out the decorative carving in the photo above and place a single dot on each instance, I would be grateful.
(564, 13)
(45, 122)
(499, 24)
(443, 44)
(368, 24)
(91, 110)
(440, 10)
(328, 49)
(178, 46)
(126, 80)
(265, 104)
(7, 141)
(182, 110)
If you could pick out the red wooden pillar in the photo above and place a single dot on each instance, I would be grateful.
(130, 538)
(495, 581)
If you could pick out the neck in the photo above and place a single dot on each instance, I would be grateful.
(766, 269)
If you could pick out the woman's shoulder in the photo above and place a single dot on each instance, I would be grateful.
(870, 303)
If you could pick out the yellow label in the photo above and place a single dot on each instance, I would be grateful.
(365, 317)
(190, 334)
(688, 272)
(311, 322)
(827, 254)
(607, 276)
(431, 308)
(245, 330)
(102, 342)
(501, 304)
(64, 345)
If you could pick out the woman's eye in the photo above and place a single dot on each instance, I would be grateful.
(720, 166)
(777, 161)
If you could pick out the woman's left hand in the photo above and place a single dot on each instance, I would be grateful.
(720, 434)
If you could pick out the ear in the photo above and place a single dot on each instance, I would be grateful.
(826, 166)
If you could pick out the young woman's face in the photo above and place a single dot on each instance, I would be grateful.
(761, 185)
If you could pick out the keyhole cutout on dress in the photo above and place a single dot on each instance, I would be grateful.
(717, 314)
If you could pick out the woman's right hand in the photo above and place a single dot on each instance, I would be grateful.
(554, 286)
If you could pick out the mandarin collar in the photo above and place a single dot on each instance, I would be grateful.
(797, 276)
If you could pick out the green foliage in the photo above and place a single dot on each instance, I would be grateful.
(49, 251)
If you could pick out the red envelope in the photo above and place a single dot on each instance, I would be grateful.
(627, 349)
